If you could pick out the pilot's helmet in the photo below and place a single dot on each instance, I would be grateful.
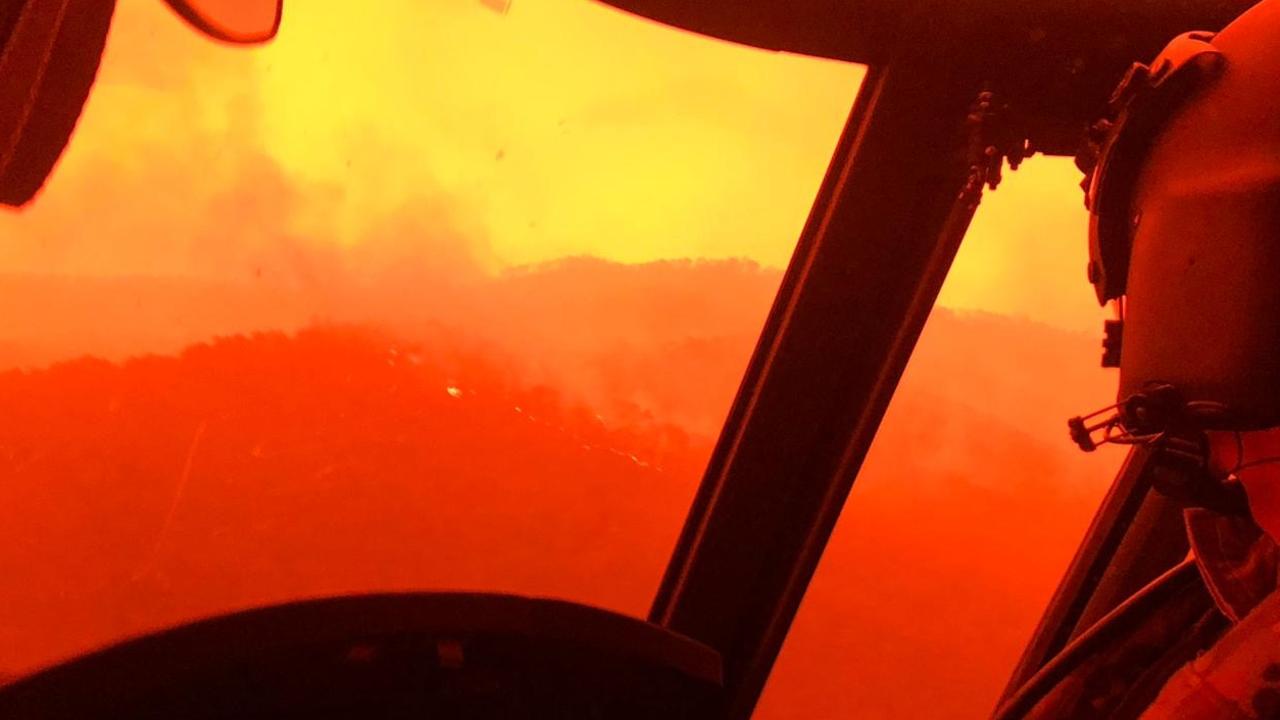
(1183, 187)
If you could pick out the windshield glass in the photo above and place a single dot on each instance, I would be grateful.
(456, 295)
(973, 498)
(424, 295)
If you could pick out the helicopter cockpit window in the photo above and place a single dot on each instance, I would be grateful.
(420, 295)
(456, 295)
(973, 498)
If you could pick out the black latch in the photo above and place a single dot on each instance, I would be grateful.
(1180, 471)
(1112, 339)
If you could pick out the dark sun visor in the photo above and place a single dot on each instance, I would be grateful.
(49, 56)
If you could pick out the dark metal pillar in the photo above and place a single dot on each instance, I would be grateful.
(878, 243)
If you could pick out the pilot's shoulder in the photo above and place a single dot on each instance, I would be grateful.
(1238, 677)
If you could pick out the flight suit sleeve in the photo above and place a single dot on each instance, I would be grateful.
(1237, 679)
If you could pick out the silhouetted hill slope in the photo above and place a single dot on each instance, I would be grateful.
(667, 338)
(258, 469)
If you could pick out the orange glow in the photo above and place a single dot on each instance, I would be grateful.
(557, 128)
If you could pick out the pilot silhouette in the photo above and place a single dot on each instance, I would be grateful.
(1183, 187)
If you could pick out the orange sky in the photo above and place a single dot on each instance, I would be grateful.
(559, 128)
